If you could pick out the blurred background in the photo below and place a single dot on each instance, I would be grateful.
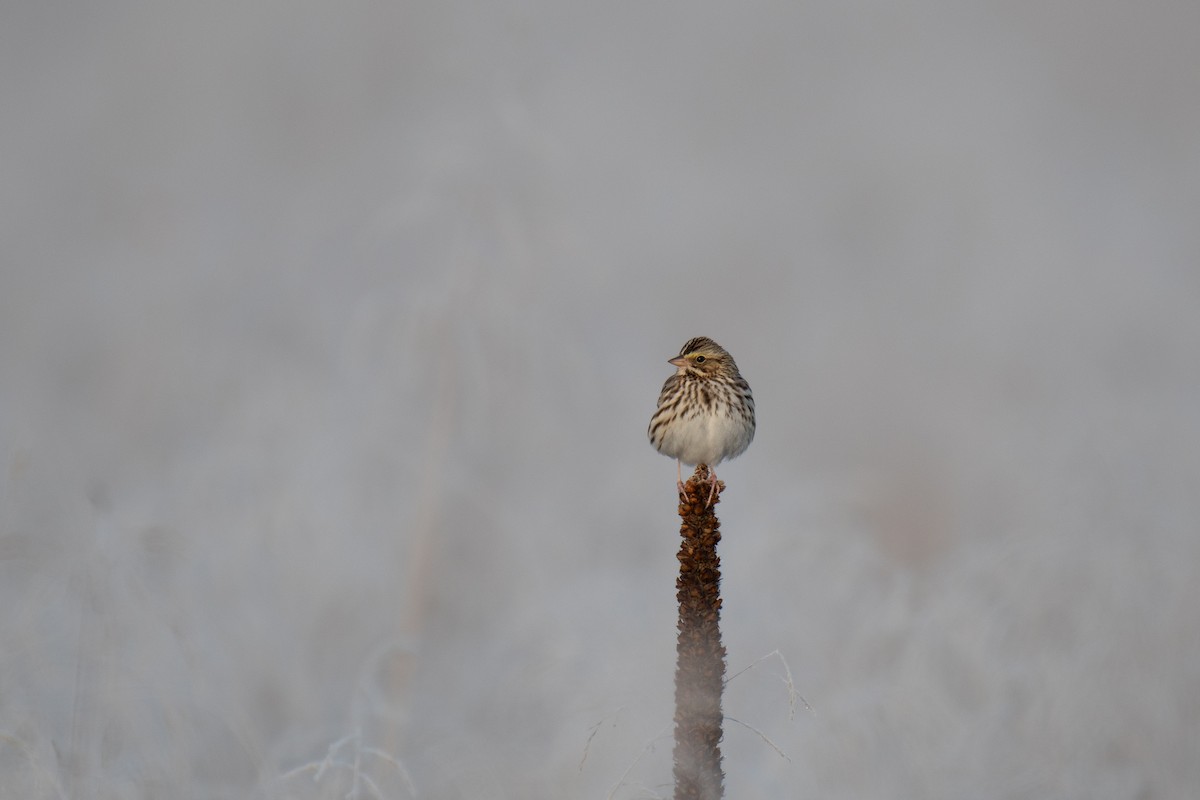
(329, 334)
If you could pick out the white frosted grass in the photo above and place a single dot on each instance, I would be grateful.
(348, 759)
(327, 351)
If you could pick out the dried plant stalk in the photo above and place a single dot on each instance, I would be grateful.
(700, 664)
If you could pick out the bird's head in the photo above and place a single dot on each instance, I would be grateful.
(703, 357)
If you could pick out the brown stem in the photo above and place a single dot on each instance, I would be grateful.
(700, 665)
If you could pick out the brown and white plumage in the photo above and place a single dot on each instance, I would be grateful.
(705, 410)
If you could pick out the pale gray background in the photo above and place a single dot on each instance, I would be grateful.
(329, 333)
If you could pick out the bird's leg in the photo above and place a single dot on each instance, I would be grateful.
(679, 472)
(712, 476)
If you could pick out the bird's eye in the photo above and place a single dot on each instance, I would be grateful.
(699, 359)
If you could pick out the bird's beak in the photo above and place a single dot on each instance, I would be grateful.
(678, 361)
